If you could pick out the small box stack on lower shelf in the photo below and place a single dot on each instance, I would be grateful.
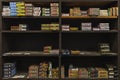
(9, 70)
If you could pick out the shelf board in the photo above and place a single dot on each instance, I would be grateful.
(30, 55)
(110, 31)
(55, 0)
(39, 31)
(31, 0)
(6, 17)
(55, 79)
(48, 79)
(14, 78)
(87, 79)
(86, 0)
(30, 79)
(63, 17)
(87, 17)
(87, 55)
(91, 53)
(29, 31)
(42, 55)
(27, 53)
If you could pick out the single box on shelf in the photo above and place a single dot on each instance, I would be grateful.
(84, 13)
(86, 26)
(103, 12)
(94, 11)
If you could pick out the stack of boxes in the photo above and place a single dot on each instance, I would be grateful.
(45, 27)
(50, 70)
(43, 68)
(103, 12)
(6, 11)
(13, 8)
(83, 73)
(45, 11)
(86, 26)
(73, 72)
(28, 9)
(52, 26)
(104, 26)
(47, 49)
(94, 11)
(17, 8)
(104, 48)
(55, 73)
(112, 71)
(102, 73)
(75, 11)
(9, 70)
(54, 9)
(36, 11)
(84, 13)
(20, 8)
(33, 71)
(65, 28)
(21, 27)
(93, 73)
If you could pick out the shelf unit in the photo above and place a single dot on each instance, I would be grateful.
(34, 39)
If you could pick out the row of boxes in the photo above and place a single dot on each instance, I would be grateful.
(43, 70)
(52, 26)
(20, 27)
(76, 11)
(27, 9)
(87, 27)
(87, 72)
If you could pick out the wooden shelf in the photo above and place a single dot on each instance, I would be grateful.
(55, 0)
(29, 79)
(88, 55)
(63, 17)
(55, 79)
(14, 79)
(29, 31)
(28, 53)
(111, 31)
(86, 17)
(31, 0)
(87, 79)
(36, 55)
(6, 17)
(87, 0)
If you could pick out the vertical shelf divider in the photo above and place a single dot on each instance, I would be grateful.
(60, 39)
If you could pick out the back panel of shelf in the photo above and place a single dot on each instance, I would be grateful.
(79, 41)
(29, 42)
